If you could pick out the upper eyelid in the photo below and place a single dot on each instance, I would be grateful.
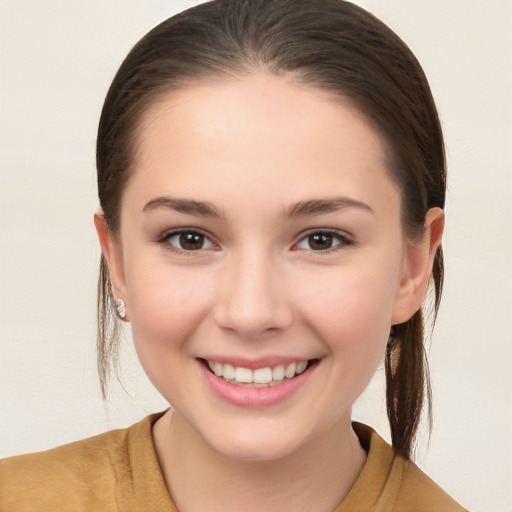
(345, 240)
(331, 231)
(170, 233)
(176, 231)
(166, 235)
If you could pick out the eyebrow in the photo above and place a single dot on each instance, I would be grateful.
(189, 206)
(310, 207)
(322, 206)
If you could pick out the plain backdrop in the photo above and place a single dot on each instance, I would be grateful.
(57, 60)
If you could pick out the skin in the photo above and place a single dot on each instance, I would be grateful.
(253, 148)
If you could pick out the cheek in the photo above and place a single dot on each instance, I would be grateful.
(352, 314)
(166, 304)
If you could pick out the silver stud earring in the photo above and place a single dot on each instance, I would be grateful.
(121, 308)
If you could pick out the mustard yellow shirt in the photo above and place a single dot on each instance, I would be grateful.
(119, 471)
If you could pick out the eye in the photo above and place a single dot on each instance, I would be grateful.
(323, 241)
(187, 240)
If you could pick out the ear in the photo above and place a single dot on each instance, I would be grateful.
(112, 253)
(418, 263)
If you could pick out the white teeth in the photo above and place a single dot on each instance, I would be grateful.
(229, 372)
(301, 367)
(261, 377)
(278, 373)
(290, 371)
(243, 375)
(217, 368)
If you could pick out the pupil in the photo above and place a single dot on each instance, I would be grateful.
(191, 241)
(320, 241)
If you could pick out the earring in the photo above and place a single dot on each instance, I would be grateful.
(121, 308)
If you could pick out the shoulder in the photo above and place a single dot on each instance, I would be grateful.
(419, 492)
(67, 474)
(389, 482)
(83, 475)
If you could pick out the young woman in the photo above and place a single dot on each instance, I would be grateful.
(271, 176)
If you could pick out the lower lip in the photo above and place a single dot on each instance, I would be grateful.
(242, 396)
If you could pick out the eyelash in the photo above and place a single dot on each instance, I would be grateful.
(167, 236)
(342, 238)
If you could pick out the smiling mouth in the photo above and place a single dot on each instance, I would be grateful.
(260, 377)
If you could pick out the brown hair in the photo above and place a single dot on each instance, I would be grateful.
(330, 44)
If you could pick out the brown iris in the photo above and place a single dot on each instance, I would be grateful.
(320, 241)
(191, 241)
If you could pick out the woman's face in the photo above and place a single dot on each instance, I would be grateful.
(260, 233)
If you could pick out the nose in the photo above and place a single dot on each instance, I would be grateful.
(253, 299)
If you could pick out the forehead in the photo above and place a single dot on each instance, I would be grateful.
(262, 132)
(249, 102)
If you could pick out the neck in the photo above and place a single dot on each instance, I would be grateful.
(316, 477)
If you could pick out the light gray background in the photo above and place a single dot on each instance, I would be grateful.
(57, 60)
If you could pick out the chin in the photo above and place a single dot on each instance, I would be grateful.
(253, 445)
(260, 452)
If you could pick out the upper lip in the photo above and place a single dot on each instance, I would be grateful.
(254, 364)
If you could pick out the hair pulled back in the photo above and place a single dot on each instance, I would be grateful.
(330, 44)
